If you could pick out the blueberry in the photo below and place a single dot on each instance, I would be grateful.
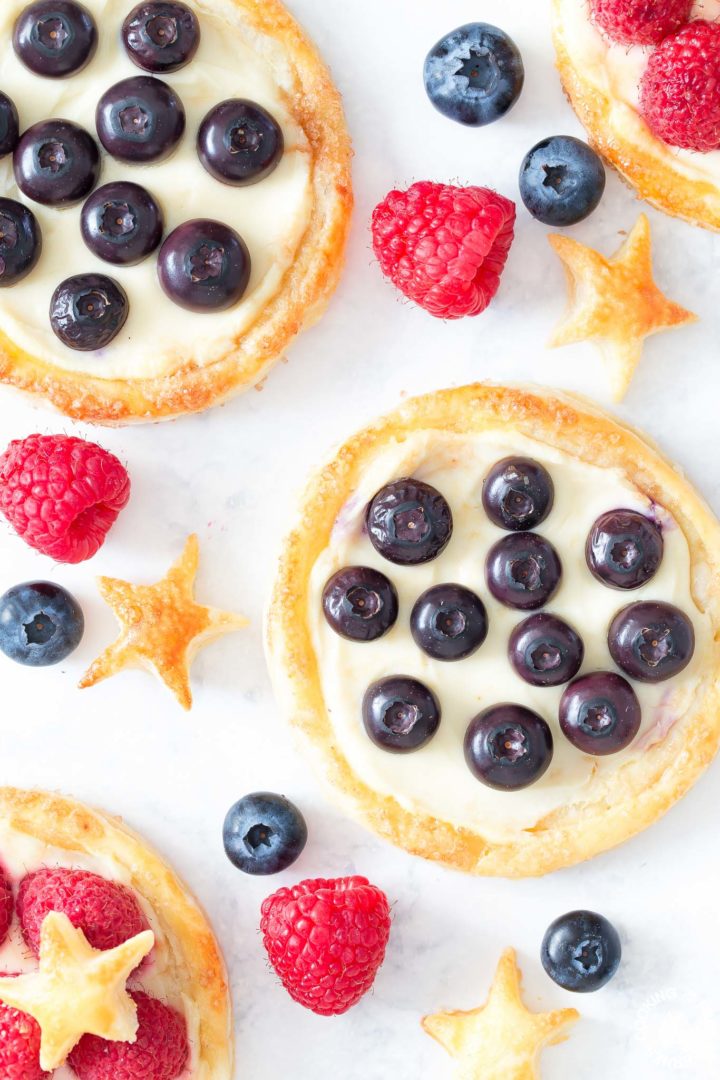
(475, 74)
(600, 713)
(87, 311)
(624, 549)
(581, 951)
(240, 143)
(121, 223)
(561, 180)
(400, 714)
(264, 833)
(204, 266)
(518, 493)
(56, 163)
(523, 571)
(651, 641)
(40, 623)
(409, 522)
(360, 604)
(449, 622)
(161, 36)
(508, 747)
(139, 120)
(20, 242)
(545, 651)
(9, 125)
(55, 38)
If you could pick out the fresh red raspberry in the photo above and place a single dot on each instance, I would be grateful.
(326, 940)
(444, 247)
(61, 494)
(19, 1044)
(640, 22)
(161, 1051)
(6, 905)
(107, 913)
(680, 88)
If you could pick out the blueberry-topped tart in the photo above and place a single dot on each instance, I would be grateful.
(194, 155)
(497, 626)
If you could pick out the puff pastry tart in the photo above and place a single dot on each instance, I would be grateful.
(496, 627)
(175, 197)
(106, 959)
(602, 72)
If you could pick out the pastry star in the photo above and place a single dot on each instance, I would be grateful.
(162, 626)
(615, 302)
(77, 990)
(501, 1040)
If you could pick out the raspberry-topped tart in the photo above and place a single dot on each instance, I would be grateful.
(496, 626)
(642, 76)
(174, 199)
(108, 968)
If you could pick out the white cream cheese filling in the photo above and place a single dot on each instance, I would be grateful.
(271, 216)
(435, 780)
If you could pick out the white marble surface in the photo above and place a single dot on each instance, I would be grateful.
(233, 475)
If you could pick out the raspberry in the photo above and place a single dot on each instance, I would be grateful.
(679, 95)
(161, 1051)
(106, 912)
(640, 22)
(326, 940)
(61, 494)
(19, 1045)
(6, 905)
(444, 247)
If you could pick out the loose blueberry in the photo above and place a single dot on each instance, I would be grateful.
(561, 180)
(600, 713)
(264, 833)
(449, 622)
(40, 623)
(409, 522)
(581, 951)
(400, 714)
(204, 266)
(240, 143)
(9, 125)
(20, 242)
(651, 641)
(518, 493)
(121, 223)
(56, 163)
(162, 36)
(55, 38)
(360, 604)
(545, 651)
(508, 747)
(140, 119)
(624, 549)
(475, 74)
(523, 571)
(87, 311)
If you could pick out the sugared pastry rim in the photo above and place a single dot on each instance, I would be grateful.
(641, 789)
(65, 823)
(308, 284)
(648, 167)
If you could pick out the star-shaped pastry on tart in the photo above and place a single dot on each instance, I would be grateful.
(77, 990)
(615, 302)
(502, 1039)
(162, 626)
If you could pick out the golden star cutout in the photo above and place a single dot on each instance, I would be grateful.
(77, 990)
(162, 626)
(615, 302)
(501, 1040)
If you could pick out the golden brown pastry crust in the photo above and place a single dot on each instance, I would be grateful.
(648, 167)
(307, 286)
(635, 794)
(65, 823)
